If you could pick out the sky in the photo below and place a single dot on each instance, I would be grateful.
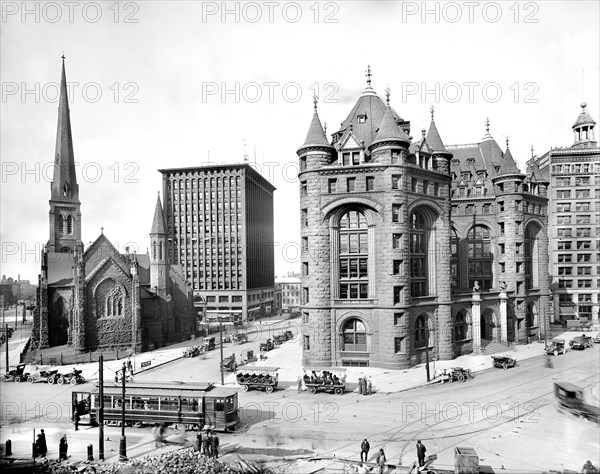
(158, 85)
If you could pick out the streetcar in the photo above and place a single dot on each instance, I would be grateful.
(193, 406)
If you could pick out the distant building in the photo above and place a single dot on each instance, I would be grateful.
(408, 245)
(574, 221)
(290, 292)
(220, 226)
(98, 297)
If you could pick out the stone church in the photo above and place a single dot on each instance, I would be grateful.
(97, 297)
(413, 249)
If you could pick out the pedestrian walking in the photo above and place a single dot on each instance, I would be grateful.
(206, 445)
(381, 460)
(76, 419)
(129, 366)
(63, 447)
(364, 450)
(360, 385)
(369, 387)
(299, 384)
(421, 453)
(215, 446)
(43, 446)
(198, 443)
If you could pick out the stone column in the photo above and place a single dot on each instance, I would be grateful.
(503, 317)
(476, 322)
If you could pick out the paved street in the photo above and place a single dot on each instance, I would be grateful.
(500, 414)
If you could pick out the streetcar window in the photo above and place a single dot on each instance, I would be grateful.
(219, 404)
(150, 403)
(230, 404)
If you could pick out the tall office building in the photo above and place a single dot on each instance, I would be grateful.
(413, 249)
(220, 230)
(574, 218)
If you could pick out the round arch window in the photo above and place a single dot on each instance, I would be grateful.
(354, 336)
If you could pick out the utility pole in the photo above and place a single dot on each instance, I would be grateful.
(6, 344)
(101, 407)
(123, 444)
(221, 340)
(427, 349)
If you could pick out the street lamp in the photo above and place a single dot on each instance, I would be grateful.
(221, 345)
(123, 443)
(427, 348)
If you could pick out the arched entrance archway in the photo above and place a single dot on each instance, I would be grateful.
(489, 326)
(58, 323)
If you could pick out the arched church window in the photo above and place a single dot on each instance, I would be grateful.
(418, 255)
(160, 251)
(354, 336)
(153, 250)
(61, 225)
(70, 225)
(353, 256)
(480, 257)
(66, 190)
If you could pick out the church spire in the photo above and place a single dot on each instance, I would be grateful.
(158, 223)
(64, 182)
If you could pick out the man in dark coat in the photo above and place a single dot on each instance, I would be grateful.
(364, 450)
(63, 447)
(214, 446)
(43, 448)
(206, 445)
(421, 453)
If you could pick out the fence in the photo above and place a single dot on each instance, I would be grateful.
(38, 357)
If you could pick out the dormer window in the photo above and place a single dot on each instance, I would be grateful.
(350, 158)
(362, 118)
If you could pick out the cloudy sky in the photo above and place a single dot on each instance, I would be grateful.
(171, 84)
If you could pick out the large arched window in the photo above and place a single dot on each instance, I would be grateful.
(353, 256)
(531, 315)
(354, 336)
(61, 224)
(454, 266)
(532, 256)
(418, 255)
(109, 299)
(480, 257)
(421, 331)
(460, 326)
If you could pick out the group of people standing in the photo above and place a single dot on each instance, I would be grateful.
(208, 446)
(41, 447)
(381, 460)
(365, 386)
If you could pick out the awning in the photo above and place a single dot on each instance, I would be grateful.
(567, 311)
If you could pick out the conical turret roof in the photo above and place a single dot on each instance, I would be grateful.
(316, 135)
(389, 129)
(158, 223)
(508, 165)
(434, 140)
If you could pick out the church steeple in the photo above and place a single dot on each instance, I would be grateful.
(65, 213)
(159, 265)
(64, 182)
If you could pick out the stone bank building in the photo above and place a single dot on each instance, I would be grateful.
(409, 244)
(98, 297)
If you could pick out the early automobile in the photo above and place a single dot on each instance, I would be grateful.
(504, 362)
(555, 346)
(581, 342)
(16, 374)
(596, 338)
(208, 344)
(455, 374)
(266, 346)
(240, 338)
(331, 380)
(569, 398)
(191, 351)
(229, 363)
(74, 377)
(38, 373)
(264, 378)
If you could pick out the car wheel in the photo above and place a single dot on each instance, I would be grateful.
(60, 381)
(30, 379)
(461, 377)
(555, 353)
(269, 388)
(505, 366)
(312, 390)
(73, 381)
(18, 379)
(244, 388)
(51, 380)
(338, 391)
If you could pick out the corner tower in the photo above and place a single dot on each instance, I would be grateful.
(65, 208)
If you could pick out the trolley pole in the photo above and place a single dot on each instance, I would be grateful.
(6, 344)
(123, 444)
(427, 352)
(101, 407)
(221, 340)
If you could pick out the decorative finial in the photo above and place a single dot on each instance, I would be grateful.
(369, 75)
(387, 95)
(423, 132)
(532, 154)
(487, 125)
(432, 110)
(102, 230)
(507, 142)
(63, 56)
(315, 101)
(583, 106)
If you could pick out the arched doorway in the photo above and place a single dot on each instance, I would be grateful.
(489, 327)
(58, 323)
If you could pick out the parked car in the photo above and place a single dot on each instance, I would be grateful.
(504, 362)
(266, 346)
(208, 344)
(581, 342)
(555, 346)
(569, 398)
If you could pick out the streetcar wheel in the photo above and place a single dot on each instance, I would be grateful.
(461, 378)
(338, 391)
(73, 381)
(244, 388)
(269, 388)
(312, 389)
(505, 366)
(51, 380)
